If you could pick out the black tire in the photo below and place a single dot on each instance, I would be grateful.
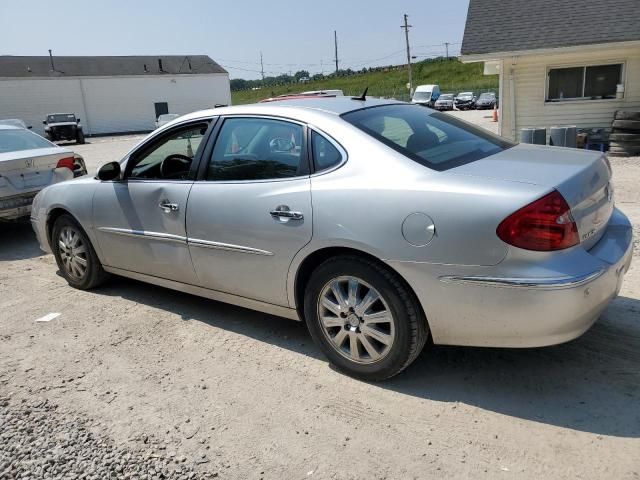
(624, 137)
(94, 275)
(411, 328)
(80, 137)
(628, 125)
(622, 115)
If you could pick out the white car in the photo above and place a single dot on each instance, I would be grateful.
(28, 163)
(165, 118)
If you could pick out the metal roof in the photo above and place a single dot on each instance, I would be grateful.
(495, 26)
(17, 66)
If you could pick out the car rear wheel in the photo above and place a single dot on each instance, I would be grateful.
(80, 137)
(75, 256)
(364, 318)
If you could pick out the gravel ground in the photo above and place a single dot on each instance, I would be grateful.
(139, 377)
(40, 440)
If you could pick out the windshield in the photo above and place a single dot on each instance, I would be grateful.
(16, 140)
(422, 95)
(465, 96)
(61, 117)
(446, 97)
(435, 140)
(487, 96)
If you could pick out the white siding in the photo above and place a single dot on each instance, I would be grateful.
(531, 110)
(111, 104)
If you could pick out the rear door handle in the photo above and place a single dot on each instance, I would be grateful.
(283, 211)
(168, 207)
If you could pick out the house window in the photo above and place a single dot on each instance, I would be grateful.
(594, 82)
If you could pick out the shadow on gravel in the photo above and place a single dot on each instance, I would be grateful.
(18, 241)
(591, 384)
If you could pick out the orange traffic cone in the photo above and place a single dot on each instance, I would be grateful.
(494, 116)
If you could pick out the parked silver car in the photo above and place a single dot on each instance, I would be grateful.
(28, 163)
(379, 223)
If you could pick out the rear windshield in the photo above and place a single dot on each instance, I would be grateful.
(61, 117)
(15, 140)
(435, 140)
(445, 97)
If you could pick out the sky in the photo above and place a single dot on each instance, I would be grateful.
(292, 35)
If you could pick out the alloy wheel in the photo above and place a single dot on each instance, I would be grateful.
(356, 319)
(73, 252)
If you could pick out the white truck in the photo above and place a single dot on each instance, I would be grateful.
(426, 95)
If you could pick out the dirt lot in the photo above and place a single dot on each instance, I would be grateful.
(141, 381)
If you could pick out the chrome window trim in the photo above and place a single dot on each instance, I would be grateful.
(196, 242)
(549, 283)
(126, 232)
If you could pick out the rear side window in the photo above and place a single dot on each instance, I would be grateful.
(325, 154)
(435, 140)
(258, 149)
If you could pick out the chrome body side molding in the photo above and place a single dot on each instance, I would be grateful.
(269, 308)
(549, 283)
(195, 242)
(142, 233)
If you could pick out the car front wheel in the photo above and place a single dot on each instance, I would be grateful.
(363, 317)
(75, 256)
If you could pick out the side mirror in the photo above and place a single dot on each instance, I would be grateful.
(109, 171)
(30, 127)
(78, 120)
(44, 122)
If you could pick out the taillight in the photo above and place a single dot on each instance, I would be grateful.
(67, 162)
(544, 225)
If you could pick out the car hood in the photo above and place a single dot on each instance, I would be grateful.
(61, 124)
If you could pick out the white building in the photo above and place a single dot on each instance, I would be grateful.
(560, 62)
(110, 94)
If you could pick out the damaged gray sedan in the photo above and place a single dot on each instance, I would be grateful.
(380, 224)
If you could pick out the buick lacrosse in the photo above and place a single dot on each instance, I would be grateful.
(380, 224)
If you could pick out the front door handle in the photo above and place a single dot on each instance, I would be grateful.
(168, 207)
(285, 213)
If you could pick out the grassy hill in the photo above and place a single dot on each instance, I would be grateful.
(452, 76)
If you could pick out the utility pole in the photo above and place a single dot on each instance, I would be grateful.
(261, 67)
(446, 44)
(335, 41)
(406, 27)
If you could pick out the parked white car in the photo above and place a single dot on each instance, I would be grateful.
(165, 118)
(28, 163)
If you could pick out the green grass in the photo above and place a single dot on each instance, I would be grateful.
(452, 76)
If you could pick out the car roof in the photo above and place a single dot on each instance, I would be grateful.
(326, 105)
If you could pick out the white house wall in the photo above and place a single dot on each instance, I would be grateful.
(530, 73)
(111, 104)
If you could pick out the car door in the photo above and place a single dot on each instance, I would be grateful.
(250, 211)
(139, 220)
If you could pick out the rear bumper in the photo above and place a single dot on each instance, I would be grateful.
(527, 311)
(16, 206)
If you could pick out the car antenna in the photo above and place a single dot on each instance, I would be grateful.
(362, 97)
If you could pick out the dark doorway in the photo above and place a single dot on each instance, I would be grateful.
(161, 108)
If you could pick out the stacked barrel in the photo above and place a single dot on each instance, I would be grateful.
(624, 140)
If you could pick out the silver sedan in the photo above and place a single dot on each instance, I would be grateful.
(28, 163)
(380, 224)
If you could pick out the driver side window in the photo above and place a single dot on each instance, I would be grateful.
(170, 157)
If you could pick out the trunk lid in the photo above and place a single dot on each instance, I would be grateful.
(582, 177)
(29, 169)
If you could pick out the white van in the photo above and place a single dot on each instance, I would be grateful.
(426, 95)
